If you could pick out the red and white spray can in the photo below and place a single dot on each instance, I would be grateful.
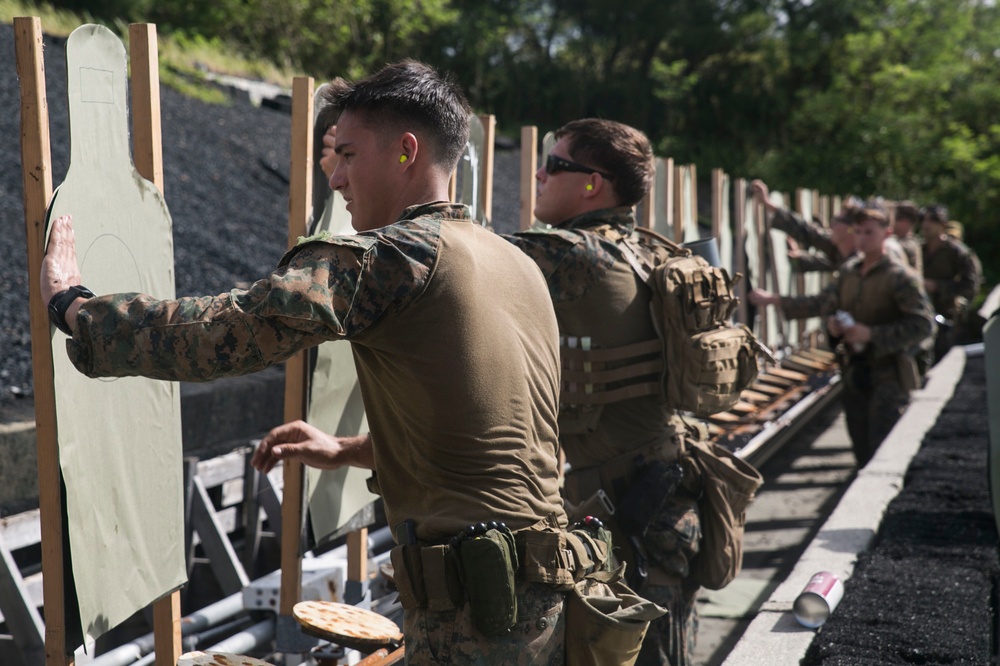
(818, 599)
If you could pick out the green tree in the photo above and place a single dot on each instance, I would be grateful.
(911, 112)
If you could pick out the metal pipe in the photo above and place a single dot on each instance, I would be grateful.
(240, 643)
(218, 612)
(247, 640)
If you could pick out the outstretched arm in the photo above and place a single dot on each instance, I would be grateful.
(308, 444)
(60, 269)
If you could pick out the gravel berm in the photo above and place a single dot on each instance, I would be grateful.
(926, 591)
(226, 185)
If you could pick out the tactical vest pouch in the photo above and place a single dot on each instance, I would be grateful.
(408, 576)
(707, 360)
(606, 620)
(547, 557)
(728, 487)
(489, 562)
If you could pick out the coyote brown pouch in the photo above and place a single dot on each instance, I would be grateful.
(489, 562)
(606, 620)
(648, 495)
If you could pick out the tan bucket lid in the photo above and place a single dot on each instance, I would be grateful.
(347, 625)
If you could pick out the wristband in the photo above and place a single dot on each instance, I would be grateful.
(59, 304)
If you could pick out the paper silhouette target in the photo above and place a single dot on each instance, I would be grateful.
(120, 450)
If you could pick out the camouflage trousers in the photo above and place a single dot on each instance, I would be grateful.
(670, 639)
(872, 406)
(671, 542)
(451, 638)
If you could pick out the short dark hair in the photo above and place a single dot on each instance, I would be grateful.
(935, 213)
(619, 149)
(907, 210)
(870, 210)
(409, 95)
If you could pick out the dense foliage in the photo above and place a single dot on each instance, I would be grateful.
(890, 97)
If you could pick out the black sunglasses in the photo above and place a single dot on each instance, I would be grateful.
(555, 164)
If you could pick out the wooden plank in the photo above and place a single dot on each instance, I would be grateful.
(717, 178)
(529, 165)
(21, 530)
(739, 245)
(754, 396)
(167, 629)
(668, 195)
(820, 355)
(788, 374)
(648, 219)
(678, 207)
(489, 123)
(220, 469)
(147, 151)
(767, 389)
(357, 555)
(296, 377)
(693, 193)
(36, 164)
(761, 277)
(147, 144)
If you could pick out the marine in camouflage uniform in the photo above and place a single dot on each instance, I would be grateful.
(461, 389)
(598, 296)
(952, 276)
(887, 298)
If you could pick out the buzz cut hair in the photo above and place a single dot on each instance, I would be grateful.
(616, 148)
(408, 96)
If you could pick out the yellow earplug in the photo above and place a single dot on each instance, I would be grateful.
(589, 187)
(402, 158)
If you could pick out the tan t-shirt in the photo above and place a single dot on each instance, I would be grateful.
(461, 387)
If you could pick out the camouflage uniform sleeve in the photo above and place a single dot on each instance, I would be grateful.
(915, 323)
(806, 234)
(822, 304)
(570, 262)
(965, 284)
(809, 263)
(321, 291)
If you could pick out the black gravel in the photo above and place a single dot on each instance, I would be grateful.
(226, 183)
(926, 593)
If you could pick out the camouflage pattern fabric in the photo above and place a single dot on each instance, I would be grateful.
(325, 288)
(891, 300)
(581, 258)
(914, 255)
(451, 637)
(808, 234)
(572, 261)
(671, 639)
(873, 402)
(955, 273)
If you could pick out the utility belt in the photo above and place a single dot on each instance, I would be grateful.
(483, 564)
